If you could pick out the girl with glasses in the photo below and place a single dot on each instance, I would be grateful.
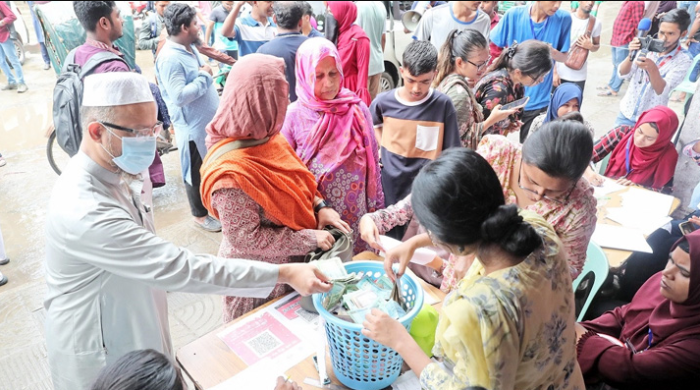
(464, 57)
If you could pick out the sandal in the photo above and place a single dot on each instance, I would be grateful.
(602, 87)
(609, 92)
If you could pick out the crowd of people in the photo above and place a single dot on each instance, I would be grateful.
(301, 139)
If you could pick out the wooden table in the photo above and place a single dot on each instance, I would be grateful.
(208, 361)
(616, 256)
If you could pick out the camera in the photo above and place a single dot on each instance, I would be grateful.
(650, 44)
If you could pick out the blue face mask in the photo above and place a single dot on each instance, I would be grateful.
(138, 153)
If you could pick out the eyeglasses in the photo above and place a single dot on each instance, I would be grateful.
(482, 65)
(684, 271)
(557, 200)
(539, 79)
(140, 132)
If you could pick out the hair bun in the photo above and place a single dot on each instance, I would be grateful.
(500, 223)
(507, 228)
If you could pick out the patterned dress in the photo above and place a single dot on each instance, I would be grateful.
(345, 188)
(574, 221)
(248, 234)
(498, 88)
(512, 328)
(469, 113)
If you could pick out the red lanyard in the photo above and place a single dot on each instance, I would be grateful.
(670, 56)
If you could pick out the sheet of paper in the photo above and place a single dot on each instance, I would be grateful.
(634, 219)
(421, 256)
(428, 299)
(649, 203)
(619, 237)
(257, 377)
(407, 381)
(609, 186)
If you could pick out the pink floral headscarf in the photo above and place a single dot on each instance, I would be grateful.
(341, 130)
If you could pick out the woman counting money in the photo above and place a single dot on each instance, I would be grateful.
(510, 323)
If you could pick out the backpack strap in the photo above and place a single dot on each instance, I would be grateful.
(69, 60)
(98, 59)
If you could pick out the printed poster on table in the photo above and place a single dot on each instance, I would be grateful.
(283, 333)
(263, 337)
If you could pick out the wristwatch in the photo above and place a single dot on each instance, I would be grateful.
(321, 205)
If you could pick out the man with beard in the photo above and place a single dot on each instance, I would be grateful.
(191, 98)
(107, 272)
(653, 76)
(103, 25)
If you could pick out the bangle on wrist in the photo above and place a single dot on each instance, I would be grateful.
(320, 205)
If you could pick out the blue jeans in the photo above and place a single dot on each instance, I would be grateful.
(7, 50)
(690, 7)
(694, 50)
(618, 55)
(623, 120)
(45, 53)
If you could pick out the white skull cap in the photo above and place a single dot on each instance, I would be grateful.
(115, 89)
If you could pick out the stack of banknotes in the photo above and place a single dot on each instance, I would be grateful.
(353, 296)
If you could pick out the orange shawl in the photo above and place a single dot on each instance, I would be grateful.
(271, 174)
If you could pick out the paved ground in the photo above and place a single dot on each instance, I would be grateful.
(27, 180)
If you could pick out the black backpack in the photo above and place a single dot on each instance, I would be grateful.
(68, 97)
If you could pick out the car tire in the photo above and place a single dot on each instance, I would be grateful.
(386, 83)
(19, 48)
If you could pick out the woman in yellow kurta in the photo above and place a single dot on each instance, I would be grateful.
(510, 322)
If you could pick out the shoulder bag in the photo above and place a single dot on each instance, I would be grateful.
(578, 55)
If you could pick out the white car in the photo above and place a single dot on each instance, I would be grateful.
(19, 33)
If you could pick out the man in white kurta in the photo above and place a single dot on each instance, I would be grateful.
(107, 272)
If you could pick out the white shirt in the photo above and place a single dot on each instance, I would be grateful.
(108, 273)
(437, 23)
(578, 28)
(640, 95)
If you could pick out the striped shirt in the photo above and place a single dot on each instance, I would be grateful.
(251, 34)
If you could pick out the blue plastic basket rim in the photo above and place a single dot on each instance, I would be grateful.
(405, 320)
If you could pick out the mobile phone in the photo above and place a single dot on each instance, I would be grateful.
(516, 104)
(686, 227)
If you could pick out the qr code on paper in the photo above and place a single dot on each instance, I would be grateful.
(263, 343)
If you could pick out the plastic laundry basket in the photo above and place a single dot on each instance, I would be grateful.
(358, 362)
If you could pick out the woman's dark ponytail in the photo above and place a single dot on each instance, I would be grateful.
(531, 57)
(507, 229)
